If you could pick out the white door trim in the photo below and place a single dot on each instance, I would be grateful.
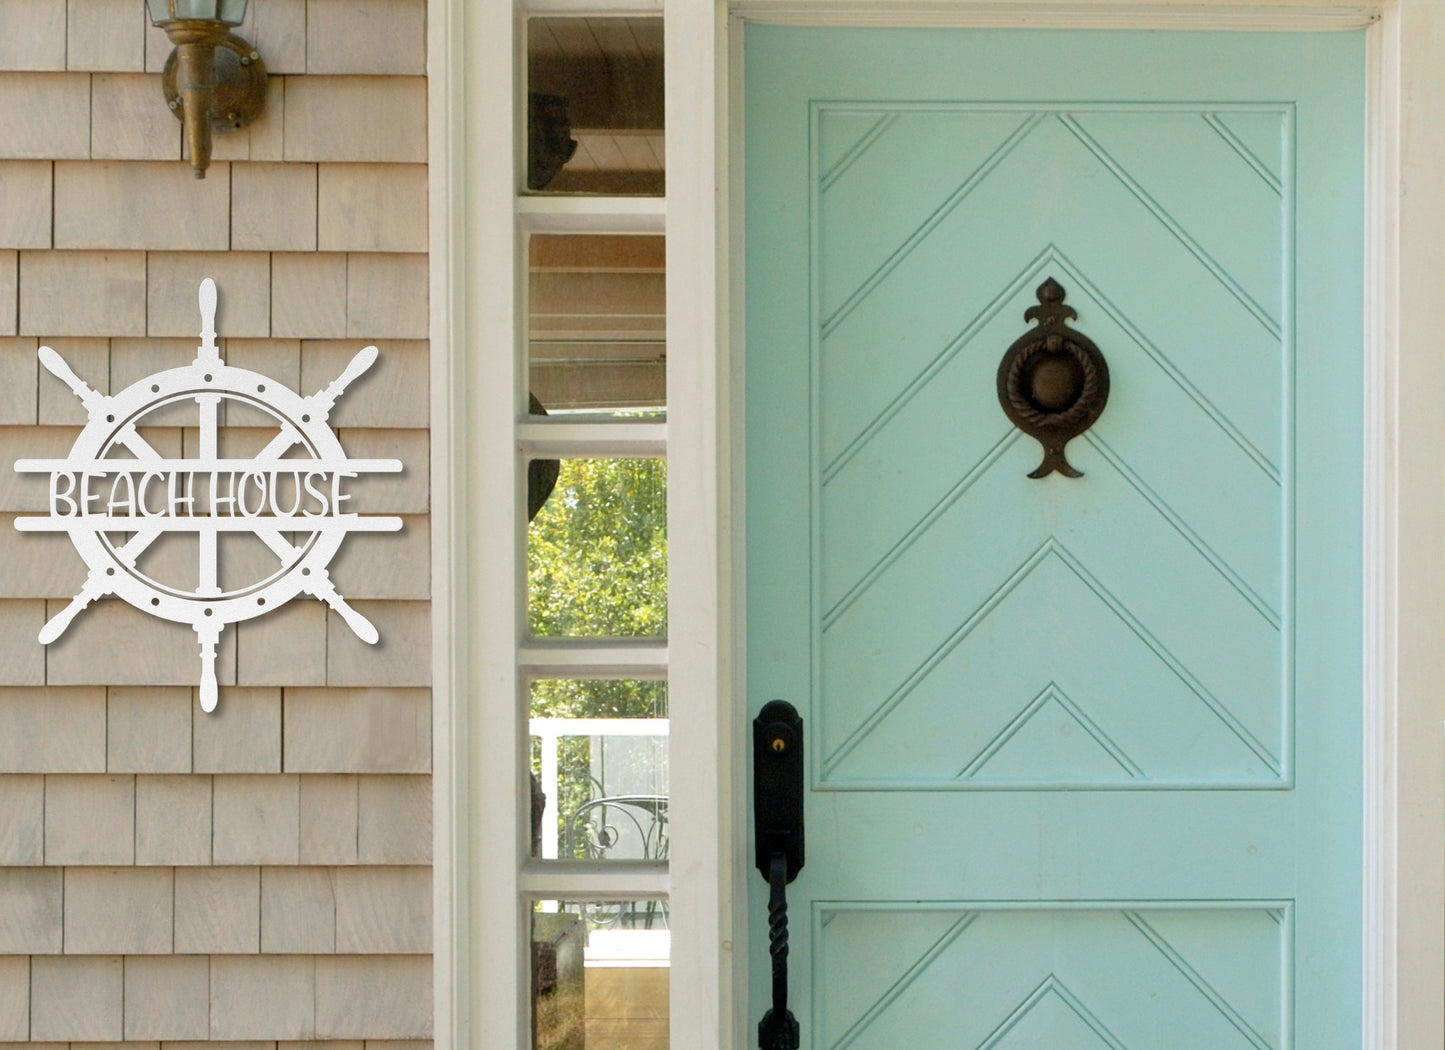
(1405, 534)
(478, 936)
(1063, 14)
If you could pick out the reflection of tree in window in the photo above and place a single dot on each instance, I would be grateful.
(597, 551)
(597, 567)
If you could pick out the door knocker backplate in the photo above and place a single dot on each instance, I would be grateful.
(1053, 382)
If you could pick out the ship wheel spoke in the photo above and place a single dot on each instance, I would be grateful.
(287, 552)
(209, 585)
(143, 449)
(130, 551)
(280, 444)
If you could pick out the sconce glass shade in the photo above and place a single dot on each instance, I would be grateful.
(226, 12)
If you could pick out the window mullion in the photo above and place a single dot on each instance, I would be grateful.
(593, 658)
(608, 880)
(559, 438)
(592, 214)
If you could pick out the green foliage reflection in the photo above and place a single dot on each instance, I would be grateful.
(597, 567)
(597, 551)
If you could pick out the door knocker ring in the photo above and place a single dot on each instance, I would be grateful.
(1053, 382)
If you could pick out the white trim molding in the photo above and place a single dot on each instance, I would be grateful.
(1061, 14)
(1405, 647)
(477, 741)
(704, 857)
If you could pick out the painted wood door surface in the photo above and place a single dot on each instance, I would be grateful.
(1083, 754)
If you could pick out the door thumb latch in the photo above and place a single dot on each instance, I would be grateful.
(778, 824)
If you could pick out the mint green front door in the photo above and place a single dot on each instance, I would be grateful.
(1084, 754)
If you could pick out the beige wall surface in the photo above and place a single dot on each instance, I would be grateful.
(260, 875)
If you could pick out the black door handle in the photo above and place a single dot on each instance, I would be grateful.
(778, 825)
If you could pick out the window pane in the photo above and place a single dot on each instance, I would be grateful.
(597, 551)
(600, 975)
(595, 101)
(599, 769)
(597, 323)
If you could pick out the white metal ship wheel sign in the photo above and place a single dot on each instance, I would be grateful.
(116, 495)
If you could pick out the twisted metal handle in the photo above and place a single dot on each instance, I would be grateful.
(778, 1030)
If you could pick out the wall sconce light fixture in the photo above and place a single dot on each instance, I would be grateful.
(214, 80)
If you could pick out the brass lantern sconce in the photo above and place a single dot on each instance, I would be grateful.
(213, 80)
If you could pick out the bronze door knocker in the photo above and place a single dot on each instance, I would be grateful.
(1053, 382)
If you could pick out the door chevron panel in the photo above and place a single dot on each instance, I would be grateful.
(1241, 538)
(1049, 259)
(1180, 378)
(1011, 978)
(975, 178)
(899, 927)
(904, 542)
(1005, 308)
(907, 614)
(1209, 327)
(1221, 273)
(834, 168)
(966, 706)
(1183, 965)
(1054, 1015)
(1078, 146)
(1066, 745)
(1262, 604)
(852, 559)
(1223, 126)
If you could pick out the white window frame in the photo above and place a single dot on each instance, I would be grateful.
(476, 296)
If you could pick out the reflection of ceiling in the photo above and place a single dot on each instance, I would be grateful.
(617, 151)
(610, 72)
(582, 40)
(597, 321)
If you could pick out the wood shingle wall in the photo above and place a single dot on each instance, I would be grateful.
(261, 875)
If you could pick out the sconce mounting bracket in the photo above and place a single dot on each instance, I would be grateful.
(240, 94)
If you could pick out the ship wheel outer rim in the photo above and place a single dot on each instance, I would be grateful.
(100, 434)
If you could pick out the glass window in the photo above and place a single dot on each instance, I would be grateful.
(594, 106)
(599, 769)
(597, 552)
(597, 324)
(600, 975)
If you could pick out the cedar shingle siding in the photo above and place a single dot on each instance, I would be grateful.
(260, 874)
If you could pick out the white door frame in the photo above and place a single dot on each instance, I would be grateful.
(479, 935)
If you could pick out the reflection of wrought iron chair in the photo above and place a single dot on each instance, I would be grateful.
(621, 827)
